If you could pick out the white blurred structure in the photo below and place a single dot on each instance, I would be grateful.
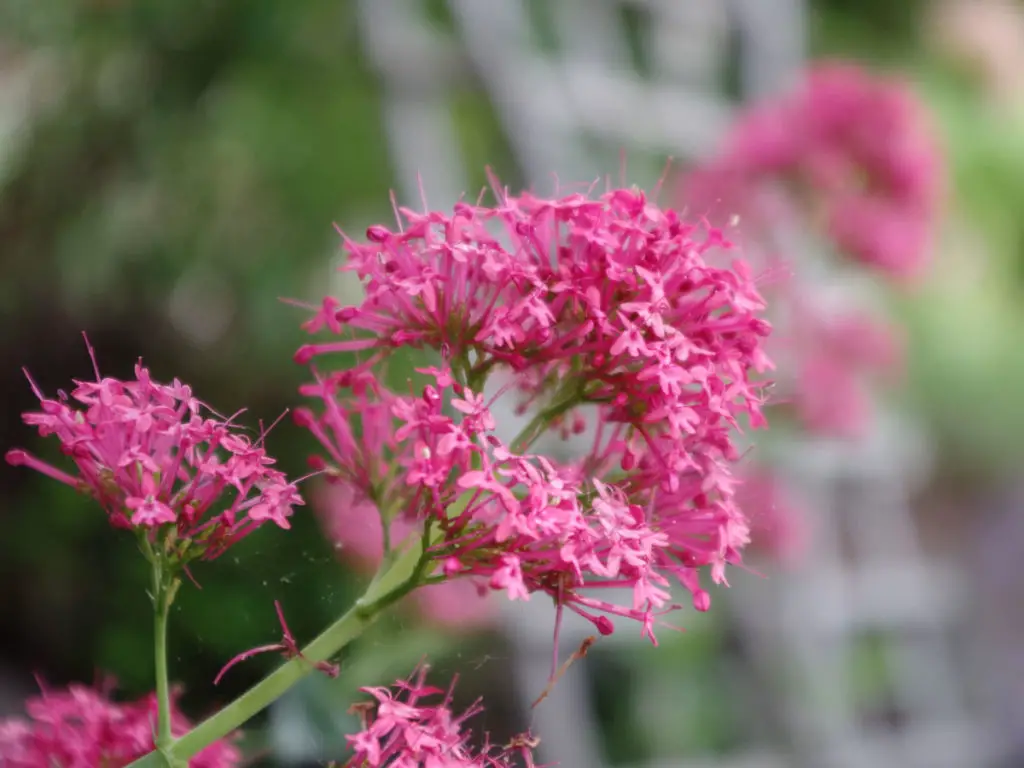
(567, 108)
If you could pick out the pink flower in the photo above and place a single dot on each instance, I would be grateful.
(414, 725)
(457, 605)
(83, 728)
(866, 342)
(522, 524)
(149, 456)
(848, 149)
(831, 399)
(608, 303)
(352, 523)
(570, 278)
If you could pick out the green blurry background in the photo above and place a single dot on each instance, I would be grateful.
(168, 170)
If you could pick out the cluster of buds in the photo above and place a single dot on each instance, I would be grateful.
(608, 316)
(608, 305)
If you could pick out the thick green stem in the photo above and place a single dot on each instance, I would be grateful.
(163, 595)
(395, 579)
(165, 585)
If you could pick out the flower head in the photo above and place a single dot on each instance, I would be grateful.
(604, 303)
(82, 728)
(413, 725)
(543, 287)
(849, 150)
(157, 459)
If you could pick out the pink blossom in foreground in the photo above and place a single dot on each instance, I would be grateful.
(607, 302)
(413, 725)
(82, 728)
(148, 454)
(852, 151)
(355, 528)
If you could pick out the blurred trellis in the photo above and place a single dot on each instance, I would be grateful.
(572, 83)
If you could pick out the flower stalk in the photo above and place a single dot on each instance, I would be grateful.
(522, 442)
(164, 588)
(397, 577)
(163, 597)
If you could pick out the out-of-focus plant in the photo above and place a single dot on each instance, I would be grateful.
(184, 161)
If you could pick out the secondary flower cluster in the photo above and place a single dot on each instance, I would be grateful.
(608, 303)
(400, 729)
(82, 728)
(853, 151)
(148, 454)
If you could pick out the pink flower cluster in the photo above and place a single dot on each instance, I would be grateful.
(608, 303)
(401, 730)
(149, 456)
(82, 728)
(854, 153)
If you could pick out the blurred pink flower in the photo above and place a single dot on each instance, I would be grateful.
(830, 399)
(779, 523)
(865, 341)
(456, 604)
(837, 358)
(846, 149)
(351, 521)
(82, 728)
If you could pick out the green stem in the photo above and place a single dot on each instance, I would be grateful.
(163, 596)
(395, 579)
(477, 376)
(540, 422)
